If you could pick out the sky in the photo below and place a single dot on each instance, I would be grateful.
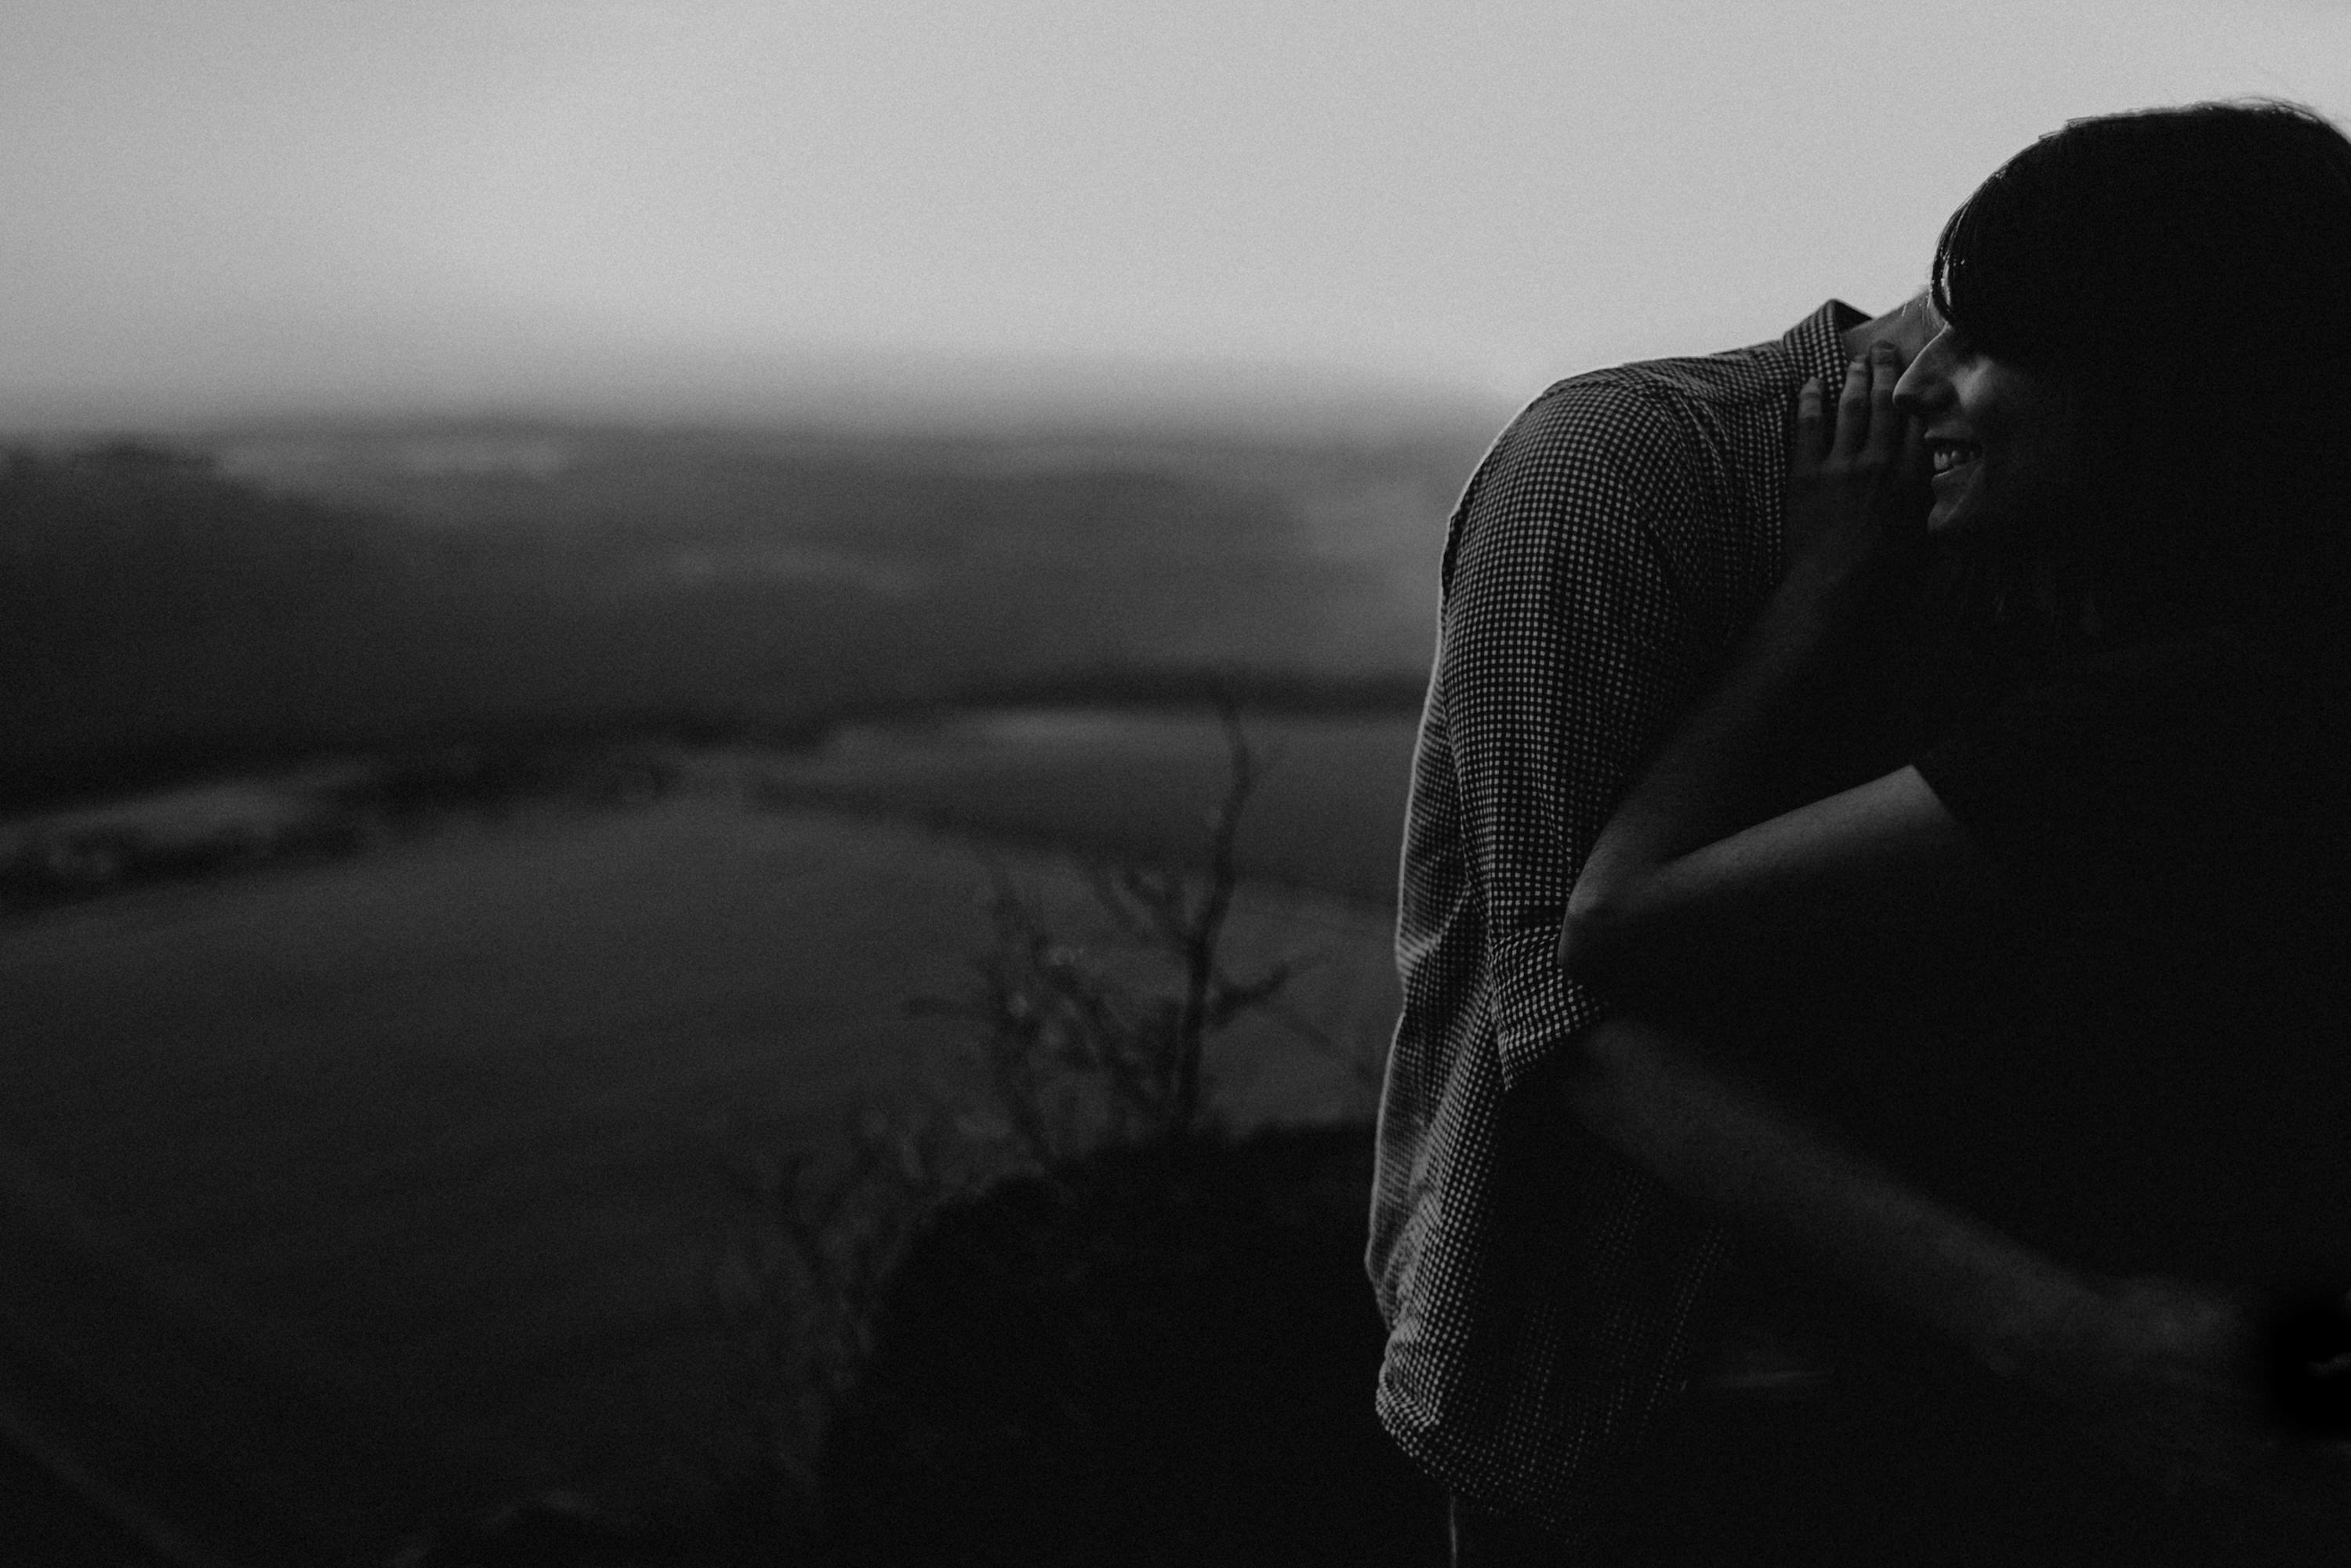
(230, 206)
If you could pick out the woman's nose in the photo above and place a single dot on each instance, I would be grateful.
(1919, 389)
(1926, 381)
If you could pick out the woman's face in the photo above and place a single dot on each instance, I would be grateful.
(2003, 440)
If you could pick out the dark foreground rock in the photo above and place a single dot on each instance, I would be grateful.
(1165, 1355)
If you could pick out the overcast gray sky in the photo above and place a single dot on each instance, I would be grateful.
(213, 203)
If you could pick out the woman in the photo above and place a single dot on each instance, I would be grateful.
(2116, 864)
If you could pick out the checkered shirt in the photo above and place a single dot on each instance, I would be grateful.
(1539, 1290)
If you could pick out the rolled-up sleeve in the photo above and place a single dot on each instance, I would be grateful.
(1568, 646)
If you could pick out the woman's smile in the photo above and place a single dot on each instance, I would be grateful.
(1999, 437)
(1956, 464)
(1950, 455)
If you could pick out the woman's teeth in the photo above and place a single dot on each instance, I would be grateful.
(1950, 455)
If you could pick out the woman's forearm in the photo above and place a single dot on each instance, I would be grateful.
(1740, 756)
(1729, 763)
(2165, 1372)
(1753, 1164)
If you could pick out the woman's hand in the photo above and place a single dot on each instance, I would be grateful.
(1857, 499)
(2163, 1374)
(2167, 1376)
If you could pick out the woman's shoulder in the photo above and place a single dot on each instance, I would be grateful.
(2165, 751)
(2239, 673)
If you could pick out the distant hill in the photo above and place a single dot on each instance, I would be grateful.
(306, 587)
(1306, 554)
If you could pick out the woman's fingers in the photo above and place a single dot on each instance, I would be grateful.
(1812, 439)
(1852, 467)
(1885, 424)
(1868, 426)
(1853, 411)
(1910, 464)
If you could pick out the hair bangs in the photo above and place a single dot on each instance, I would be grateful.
(1995, 276)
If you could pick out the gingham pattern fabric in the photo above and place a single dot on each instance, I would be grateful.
(1538, 1289)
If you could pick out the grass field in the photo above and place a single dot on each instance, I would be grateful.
(390, 1186)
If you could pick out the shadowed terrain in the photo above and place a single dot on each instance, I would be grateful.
(412, 1160)
(436, 855)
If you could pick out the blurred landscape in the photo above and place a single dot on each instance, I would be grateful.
(435, 850)
(272, 593)
(665, 669)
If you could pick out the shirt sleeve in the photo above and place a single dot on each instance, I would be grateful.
(2145, 771)
(1566, 648)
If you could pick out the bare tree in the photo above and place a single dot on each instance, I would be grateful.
(798, 1280)
(1078, 1048)
(1070, 1049)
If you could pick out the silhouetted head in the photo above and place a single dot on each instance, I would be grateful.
(2173, 287)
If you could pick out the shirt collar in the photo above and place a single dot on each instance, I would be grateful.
(1816, 344)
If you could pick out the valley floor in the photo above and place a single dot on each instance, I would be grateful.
(347, 1195)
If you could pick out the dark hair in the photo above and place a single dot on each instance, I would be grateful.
(2185, 273)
